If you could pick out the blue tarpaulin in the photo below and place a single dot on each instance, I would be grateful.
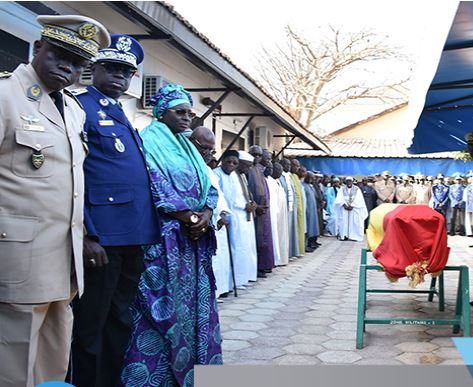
(369, 166)
(448, 110)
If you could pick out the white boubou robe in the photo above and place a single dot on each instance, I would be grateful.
(274, 209)
(283, 225)
(350, 224)
(241, 230)
(221, 259)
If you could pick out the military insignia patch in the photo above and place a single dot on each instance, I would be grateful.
(123, 43)
(34, 92)
(119, 146)
(102, 114)
(37, 159)
(104, 101)
(106, 123)
(88, 31)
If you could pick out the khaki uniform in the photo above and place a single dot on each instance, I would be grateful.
(41, 211)
(423, 193)
(385, 190)
(405, 194)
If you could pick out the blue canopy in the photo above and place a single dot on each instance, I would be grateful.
(344, 166)
(448, 110)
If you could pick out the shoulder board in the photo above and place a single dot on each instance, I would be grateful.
(5, 74)
(77, 92)
(70, 94)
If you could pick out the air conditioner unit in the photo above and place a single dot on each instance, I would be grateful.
(151, 84)
(85, 78)
(263, 137)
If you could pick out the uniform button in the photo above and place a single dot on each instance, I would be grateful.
(74, 165)
(113, 134)
(76, 194)
(3, 235)
(69, 135)
(38, 146)
(110, 199)
(147, 168)
(141, 149)
(73, 224)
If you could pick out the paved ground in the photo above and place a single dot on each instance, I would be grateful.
(305, 313)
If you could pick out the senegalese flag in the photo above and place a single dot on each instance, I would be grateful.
(408, 240)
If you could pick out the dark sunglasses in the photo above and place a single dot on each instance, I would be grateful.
(115, 68)
(204, 148)
(183, 112)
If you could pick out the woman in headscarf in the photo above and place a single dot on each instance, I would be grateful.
(175, 320)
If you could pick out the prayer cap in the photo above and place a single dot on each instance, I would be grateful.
(243, 155)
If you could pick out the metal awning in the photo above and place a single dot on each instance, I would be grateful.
(447, 114)
(162, 21)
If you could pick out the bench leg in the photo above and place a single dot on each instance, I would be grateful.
(360, 325)
(465, 301)
(441, 293)
(459, 303)
(433, 282)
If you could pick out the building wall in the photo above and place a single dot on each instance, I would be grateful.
(389, 126)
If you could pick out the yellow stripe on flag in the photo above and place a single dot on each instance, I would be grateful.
(375, 231)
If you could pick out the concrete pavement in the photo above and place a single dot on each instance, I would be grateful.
(305, 313)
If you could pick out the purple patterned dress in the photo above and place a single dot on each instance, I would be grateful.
(175, 320)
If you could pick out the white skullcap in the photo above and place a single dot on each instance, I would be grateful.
(349, 178)
(245, 156)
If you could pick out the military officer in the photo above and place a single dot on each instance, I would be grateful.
(405, 192)
(385, 188)
(119, 216)
(41, 201)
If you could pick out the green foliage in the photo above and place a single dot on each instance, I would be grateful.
(462, 155)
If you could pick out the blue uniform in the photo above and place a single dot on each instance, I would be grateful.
(440, 193)
(118, 205)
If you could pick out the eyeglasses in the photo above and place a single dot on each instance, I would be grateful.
(206, 149)
(183, 112)
(114, 68)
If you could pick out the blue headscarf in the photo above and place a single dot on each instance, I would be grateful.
(169, 96)
(173, 154)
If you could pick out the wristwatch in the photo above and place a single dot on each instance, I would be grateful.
(194, 218)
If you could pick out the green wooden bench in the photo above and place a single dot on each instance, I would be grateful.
(462, 309)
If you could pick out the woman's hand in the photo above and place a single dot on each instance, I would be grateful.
(198, 229)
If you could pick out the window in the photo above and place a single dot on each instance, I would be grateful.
(13, 51)
(227, 138)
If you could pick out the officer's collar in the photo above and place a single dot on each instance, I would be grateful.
(110, 99)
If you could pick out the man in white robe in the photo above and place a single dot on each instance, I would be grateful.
(283, 219)
(288, 186)
(241, 227)
(204, 140)
(221, 260)
(350, 212)
(274, 210)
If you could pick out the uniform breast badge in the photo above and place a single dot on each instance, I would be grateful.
(119, 146)
(37, 159)
(31, 123)
(102, 114)
(104, 101)
(34, 92)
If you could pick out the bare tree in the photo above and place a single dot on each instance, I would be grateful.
(310, 79)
